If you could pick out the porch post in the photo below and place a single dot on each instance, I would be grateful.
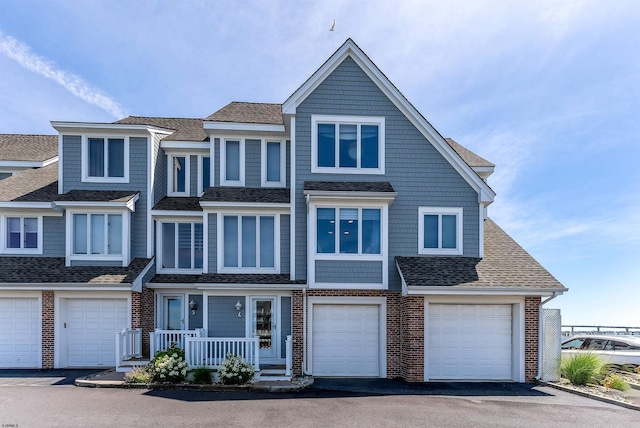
(289, 346)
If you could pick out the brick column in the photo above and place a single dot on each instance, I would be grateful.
(412, 337)
(531, 319)
(48, 340)
(146, 317)
(297, 330)
(394, 336)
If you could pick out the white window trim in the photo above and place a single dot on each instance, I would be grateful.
(263, 164)
(312, 247)
(85, 160)
(220, 242)
(187, 172)
(201, 190)
(4, 231)
(439, 211)
(159, 240)
(124, 258)
(223, 163)
(351, 120)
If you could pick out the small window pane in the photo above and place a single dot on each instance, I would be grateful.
(273, 162)
(326, 144)
(326, 228)
(116, 157)
(248, 241)
(230, 241)
(13, 232)
(349, 230)
(449, 231)
(369, 146)
(80, 234)
(198, 246)
(430, 231)
(96, 157)
(206, 173)
(232, 160)
(115, 234)
(371, 231)
(97, 234)
(168, 245)
(30, 233)
(184, 245)
(179, 174)
(267, 245)
(348, 146)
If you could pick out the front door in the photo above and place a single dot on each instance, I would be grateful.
(173, 313)
(264, 325)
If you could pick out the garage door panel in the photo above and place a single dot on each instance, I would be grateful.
(19, 332)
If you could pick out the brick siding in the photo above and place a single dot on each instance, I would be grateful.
(48, 339)
(412, 338)
(531, 308)
(146, 317)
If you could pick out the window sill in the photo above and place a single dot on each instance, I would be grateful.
(105, 180)
(439, 252)
(248, 270)
(20, 252)
(338, 170)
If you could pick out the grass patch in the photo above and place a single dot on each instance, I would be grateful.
(613, 381)
(138, 375)
(202, 376)
(580, 368)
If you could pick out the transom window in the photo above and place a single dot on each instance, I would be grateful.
(348, 230)
(232, 162)
(22, 234)
(97, 234)
(348, 144)
(181, 246)
(273, 163)
(440, 230)
(105, 159)
(249, 243)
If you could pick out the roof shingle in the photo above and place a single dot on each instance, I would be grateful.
(97, 196)
(240, 112)
(27, 147)
(186, 129)
(178, 204)
(246, 194)
(470, 158)
(349, 186)
(31, 185)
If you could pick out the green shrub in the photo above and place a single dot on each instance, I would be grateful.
(613, 381)
(140, 374)
(235, 371)
(170, 365)
(580, 368)
(638, 369)
(202, 376)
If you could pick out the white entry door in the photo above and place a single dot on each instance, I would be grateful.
(19, 333)
(264, 317)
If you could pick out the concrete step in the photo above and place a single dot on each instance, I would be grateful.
(129, 365)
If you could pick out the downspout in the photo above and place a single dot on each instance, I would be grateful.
(540, 333)
(304, 332)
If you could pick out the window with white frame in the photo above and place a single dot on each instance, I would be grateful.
(22, 234)
(204, 174)
(273, 170)
(347, 144)
(232, 162)
(179, 175)
(348, 230)
(97, 234)
(439, 230)
(250, 243)
(181, 246)
(105, 159)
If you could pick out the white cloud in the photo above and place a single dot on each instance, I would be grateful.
(21, 53)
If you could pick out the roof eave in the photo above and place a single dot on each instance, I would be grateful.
(240, 126)
(95, 126)
(484, 291)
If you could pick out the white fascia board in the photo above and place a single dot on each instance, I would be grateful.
(130, 204)
(328, 196)
(213, 286)
(241, 205)
(185, 146)
(349, 48)
(66, 286)
(176, 213)
(27, 164)
(83, 127)
(239, 126)
(483, 291)
(31, 206)
(137, 283)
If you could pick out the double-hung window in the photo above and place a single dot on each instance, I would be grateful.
(250, 243)
(350, 144)
(439, 230)
(97, 234)
(273, 170)
(105, 159)
(181, 246)
(204, 174)
(232, 161)
(179, 175)
(348, 231)
(22, 234)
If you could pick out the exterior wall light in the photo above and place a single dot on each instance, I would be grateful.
(193, 306)
(238, 307)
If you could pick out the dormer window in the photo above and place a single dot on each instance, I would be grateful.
(273, 171)
(105, 159)
(179, 176)
(347, 144)
(232, 162)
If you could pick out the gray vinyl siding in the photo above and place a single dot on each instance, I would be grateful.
(285, 323)
(72, 173)
(223, 318)
(193, 175)
(216, 162)
(415, 169)
(252, 163)
(160, 170)
(285, 235)
(212, 243)
(95, 263)
(53, 233)
(345, 272)
(195, 321)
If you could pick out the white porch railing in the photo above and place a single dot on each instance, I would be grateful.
(211, 351)
(289, 356)
(162, 339)
(128, 345)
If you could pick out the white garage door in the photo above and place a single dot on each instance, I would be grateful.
(469, 342)
(19, 333)
(346, 340)
(91, 325)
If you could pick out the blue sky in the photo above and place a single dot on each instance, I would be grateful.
(547, 90)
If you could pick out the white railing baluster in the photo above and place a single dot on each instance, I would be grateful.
(289, 356)
(211, 351)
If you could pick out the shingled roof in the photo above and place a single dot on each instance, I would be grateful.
(349, 186)
(31, 185)
(178, 204)
(186, 129)
(239, 112)
(470, 158)
(246, 194)
(27, 147)
(97, 196)
(505, 265)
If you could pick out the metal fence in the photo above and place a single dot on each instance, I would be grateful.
(572, 330)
